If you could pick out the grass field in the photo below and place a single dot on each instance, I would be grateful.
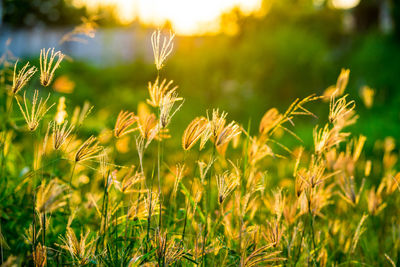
(86, 186)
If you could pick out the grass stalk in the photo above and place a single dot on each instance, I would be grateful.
(207, 206)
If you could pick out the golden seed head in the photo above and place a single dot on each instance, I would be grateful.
(375, 201)
(88, 150)
(359, 231)
(86, 28)
(82, 250)
(34, 112)
(124, 123)
(147, 205)
(50, 196)
(227, 182)
(339, 88)
(179, 173)
(217, 122)
(340, 110)
(300, 183)
(258, 150)
(342, 81)
(161, 49)
(61, 133)
(129, 180)
(194, 132)
(166, 108)
(80, 115)
(227, 134)
(47, 68)
(40, 256)
(158, 91)
(148, 127)
(24, 75)
(273, 233)
(269, 121)
(279, 204)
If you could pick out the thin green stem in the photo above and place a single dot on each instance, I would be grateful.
(207, 206)
(70, 184)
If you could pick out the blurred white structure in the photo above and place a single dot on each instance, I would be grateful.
(109, 46)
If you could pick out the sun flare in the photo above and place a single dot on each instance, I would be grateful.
(345, 4)
(186, 16)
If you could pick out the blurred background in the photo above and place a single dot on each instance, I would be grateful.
(243, 56)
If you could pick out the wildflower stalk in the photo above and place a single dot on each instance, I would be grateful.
(207, 205)
(34, 223)
(103, 212)
(44, 228)
(4, 135)
(159, 182)
(299, 248)
(311, 219)
(188, 201)
(116, 236)
(140, 149)
(1, 247)
(150, 210)
(70, 183)
(245, 163)
(34, 185)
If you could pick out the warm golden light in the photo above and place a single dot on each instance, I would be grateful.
(186, 16)
(345, 4)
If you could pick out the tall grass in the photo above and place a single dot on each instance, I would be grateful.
(66, 199)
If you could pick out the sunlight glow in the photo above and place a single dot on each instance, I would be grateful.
(186, 16)
(345, 4)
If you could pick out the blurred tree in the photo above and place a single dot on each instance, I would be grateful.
(30, 13)
(374, 14)
(396, 17)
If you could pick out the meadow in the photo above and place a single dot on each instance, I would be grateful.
(86, 186)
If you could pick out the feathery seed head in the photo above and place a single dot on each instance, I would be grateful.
(270, 120)
(36, 112)
(273, 233)
(147, 205)
(130, 179)
(82, 250)
(220, 133)
(161, 50)
(340, 87)
(342, 81)
(158, 91)
(88, 150)
(226, 183)
(24, 75)
(50, 196)
(80, 115)
(40, 256)
(61, 133)
(47, 68)
(167, 104)
(179, 173)
(279, 204)
(340, 109)
(375, 201)
(124, 123)
(217, 122)
(227, 134)
(195, 130)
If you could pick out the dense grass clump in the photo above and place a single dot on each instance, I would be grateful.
(225, 197)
